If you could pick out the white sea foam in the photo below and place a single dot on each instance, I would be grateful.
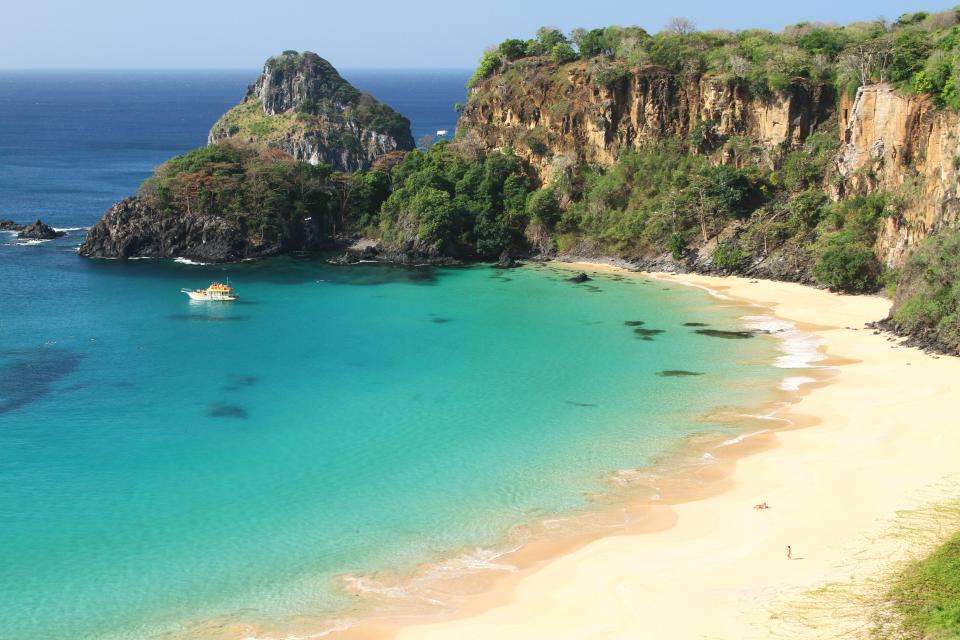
(69, 229)
(793, 383)
(741, 438)
(26, 243)
(801, 349)
(709, 458)
(189, 261)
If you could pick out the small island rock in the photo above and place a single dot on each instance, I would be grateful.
(37, 230)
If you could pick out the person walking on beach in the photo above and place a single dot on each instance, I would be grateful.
(789, 553)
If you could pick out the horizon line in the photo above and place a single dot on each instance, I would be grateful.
(258, 68)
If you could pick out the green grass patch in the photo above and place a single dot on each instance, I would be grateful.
(927, 594)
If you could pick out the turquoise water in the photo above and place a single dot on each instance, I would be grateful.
(164, 461)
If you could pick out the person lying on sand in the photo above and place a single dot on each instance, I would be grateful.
(762, 505)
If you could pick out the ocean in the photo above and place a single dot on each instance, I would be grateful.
(165, 463)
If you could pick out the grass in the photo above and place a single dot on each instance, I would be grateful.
(248, 119)
(927, 594)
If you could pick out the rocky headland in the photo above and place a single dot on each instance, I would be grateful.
(302, 105)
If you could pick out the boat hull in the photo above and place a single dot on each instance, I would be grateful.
(209, 297)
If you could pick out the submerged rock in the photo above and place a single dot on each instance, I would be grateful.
(580, 277)
(645, 333)
(227, 411)
(678, 373)
(37, 230)
(717, 333)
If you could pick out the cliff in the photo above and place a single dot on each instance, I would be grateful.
(591, 113)
(895, 142)
(300, 104)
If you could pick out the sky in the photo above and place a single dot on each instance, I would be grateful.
(352, 34)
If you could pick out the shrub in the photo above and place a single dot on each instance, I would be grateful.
(542, 207)
(563, 53)
(677, 246)
(846, 264)
(928, 292)
(727, 256)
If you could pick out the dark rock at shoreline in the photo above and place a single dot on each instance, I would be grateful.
(132, 228)
(412, 252)
(580, 278)
(37, 230)
(506, 261)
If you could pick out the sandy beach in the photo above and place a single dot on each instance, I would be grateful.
(883, 439)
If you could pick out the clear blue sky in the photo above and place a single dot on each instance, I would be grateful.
(166, 34)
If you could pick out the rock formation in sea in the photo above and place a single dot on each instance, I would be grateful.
(302, 105)
(36, 230)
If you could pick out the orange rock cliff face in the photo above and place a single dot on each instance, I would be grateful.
(901, 142)
(568, 115)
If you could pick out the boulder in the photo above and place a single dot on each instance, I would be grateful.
(37, 230)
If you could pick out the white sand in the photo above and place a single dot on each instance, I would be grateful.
(889, 439)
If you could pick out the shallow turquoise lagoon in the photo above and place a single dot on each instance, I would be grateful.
(163, 461)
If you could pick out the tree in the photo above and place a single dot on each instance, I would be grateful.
(547, 38)
(426, 141)
(563, 53)
(680, 26)
(512, 49)
(432, 209)
(846, 264)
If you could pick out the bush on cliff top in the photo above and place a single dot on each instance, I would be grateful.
(919, 53)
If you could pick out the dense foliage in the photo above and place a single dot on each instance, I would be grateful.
(461, 206)
(919, 52)
(255, 188)
(927, 299)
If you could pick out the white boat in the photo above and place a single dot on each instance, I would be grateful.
(217, 291)
(442, 133)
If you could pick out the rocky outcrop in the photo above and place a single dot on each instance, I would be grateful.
(300, 104)
(904, 144)
(131, 228)
(590, 114)
(10, 225)
(411, 252)
(37, 230)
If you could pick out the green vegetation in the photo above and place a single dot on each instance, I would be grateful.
(927, 301)
(927, 594)
(459, 205)
(918, 53)
(257, 188)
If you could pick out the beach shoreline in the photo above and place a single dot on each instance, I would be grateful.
(880, 444)
(638, 569)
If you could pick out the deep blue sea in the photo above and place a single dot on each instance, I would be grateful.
(165, 463)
